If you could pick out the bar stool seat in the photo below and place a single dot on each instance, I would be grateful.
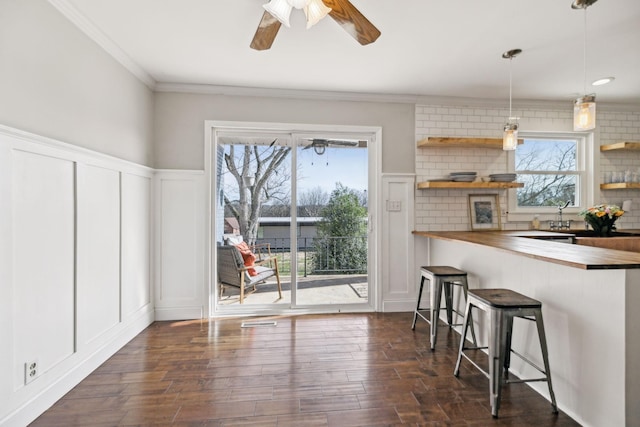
(440, 278)
(503, 305)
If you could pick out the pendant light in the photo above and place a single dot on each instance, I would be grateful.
(510, 136)
(584, 107)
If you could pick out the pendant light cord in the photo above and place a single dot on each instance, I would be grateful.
(584, 82)
(510, 85)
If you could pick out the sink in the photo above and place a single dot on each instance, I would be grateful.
(589, 233)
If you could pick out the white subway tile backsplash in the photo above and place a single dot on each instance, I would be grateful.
(440, 120)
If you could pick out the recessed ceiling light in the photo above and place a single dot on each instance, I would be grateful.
(603, 81)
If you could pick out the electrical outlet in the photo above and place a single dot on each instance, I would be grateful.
(31, 371)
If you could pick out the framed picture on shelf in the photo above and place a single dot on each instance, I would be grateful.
(484, 212)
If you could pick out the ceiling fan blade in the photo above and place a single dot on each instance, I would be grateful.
(352, 21)
(266, 32)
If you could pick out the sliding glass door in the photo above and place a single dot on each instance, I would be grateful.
(331, 220)
(291, 220)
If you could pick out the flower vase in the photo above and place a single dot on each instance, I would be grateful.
(602, 228)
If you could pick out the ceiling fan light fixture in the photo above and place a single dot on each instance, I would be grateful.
(584, 113)
(280, 9)
(319, 149)
(299, 4)
(315, 11)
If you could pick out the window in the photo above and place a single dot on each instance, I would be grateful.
(552, 168)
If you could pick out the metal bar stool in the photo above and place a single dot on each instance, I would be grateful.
(503, 305)
(440, 277)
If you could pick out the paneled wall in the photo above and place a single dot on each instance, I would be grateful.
(398, 284)
(75, 271)
(442, 209)
(180, 245)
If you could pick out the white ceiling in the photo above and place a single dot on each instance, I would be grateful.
(439, 48)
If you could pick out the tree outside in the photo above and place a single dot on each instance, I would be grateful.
(548, 171)
(341, 242)
(261, 176)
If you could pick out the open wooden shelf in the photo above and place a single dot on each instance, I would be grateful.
(621, 146)
(437, 141)
(453, 184)
(620, 186)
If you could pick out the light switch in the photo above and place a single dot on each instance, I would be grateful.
(394, 205)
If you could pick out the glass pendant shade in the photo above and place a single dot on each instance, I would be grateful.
(584, 113)
(510, 137)
(315, 11)
(280, 9)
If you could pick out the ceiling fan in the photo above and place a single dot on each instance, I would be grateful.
(320, 145)
(342, 11)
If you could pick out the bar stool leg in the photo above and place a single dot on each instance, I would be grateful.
(436, 295)
(448, 299)
(463, 336)
(415, 313)
(545, 357)
(497, 343)
(465, 289)
(507, 355)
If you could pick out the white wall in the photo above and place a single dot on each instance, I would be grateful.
(56, 82)
(75, 272)
(179, 119)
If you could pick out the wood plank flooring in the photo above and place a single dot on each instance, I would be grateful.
(314, 370)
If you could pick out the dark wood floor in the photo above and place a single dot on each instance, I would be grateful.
(314, 370)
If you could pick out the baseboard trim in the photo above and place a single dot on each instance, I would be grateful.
(390, 306)
(179, 313)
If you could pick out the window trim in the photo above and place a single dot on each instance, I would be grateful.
(586, 170)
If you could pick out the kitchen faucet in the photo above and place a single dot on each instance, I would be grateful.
(560, 225)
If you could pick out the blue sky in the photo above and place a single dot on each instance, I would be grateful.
(345, 165)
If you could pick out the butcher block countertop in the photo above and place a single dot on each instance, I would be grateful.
(536, 244)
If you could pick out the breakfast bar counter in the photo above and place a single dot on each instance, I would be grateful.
(589, 296)
(541, 245)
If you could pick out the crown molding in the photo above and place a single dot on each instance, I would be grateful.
(385, 98)
(317, 95)
(91, 31)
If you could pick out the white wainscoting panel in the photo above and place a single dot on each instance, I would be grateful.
(136, 243)
(60, 266)
(43, 261)
(180, 287)
(398, 289)
(98, 243)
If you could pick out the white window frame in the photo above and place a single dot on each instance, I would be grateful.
(586, 169)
